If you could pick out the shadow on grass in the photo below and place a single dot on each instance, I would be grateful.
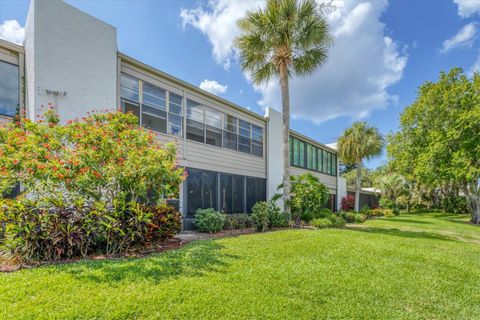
(404, 233)
(194, 260)
(408, 221)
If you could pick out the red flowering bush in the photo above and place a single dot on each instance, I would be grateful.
(348, 203)
(104, 164)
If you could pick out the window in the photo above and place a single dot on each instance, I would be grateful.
(195, 121)
(334, 171)
(154, 115)
(129, 88)
(244, 137)
(213, 119)
(238, 194)
(257, 141)
(209, 189)
(325, 161)
(298, 153)
(311, 157)
(9, 89)
(175, 113)
(319, 159)
(230, 132)
(226, 193)
(130, 107)
(194, 190)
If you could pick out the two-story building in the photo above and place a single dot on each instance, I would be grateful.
(233, 156)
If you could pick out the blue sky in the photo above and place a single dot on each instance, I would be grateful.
(383, 51)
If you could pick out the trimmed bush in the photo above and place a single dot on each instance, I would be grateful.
(377, 212)
(349, 217)
(307, 216)
(388, 213)
(165, 222)
(365, 210)
(337, 221)
(321, 223)
(267, 215)
(323, 213)
(359, 218)
(209, 220)
(238, 221)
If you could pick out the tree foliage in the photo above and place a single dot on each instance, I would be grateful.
(287, 37)
(359, 142)
(438, 141)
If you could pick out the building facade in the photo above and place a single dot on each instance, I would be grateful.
(233, 156)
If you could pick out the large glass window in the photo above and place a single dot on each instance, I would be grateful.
(325, 161)
(311, 157)
(213, 119)
(194, 190)
(209, 189)
(9, 89)
(230, 132)
(154, 115)
(257, 141)
(238, 194)
(298, 153)
(244, 136)
(129, 88)
(131, 107)
(175, 113)
(226, 186)
(195, 121)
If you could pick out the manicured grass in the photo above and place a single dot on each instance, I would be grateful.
(408, 267)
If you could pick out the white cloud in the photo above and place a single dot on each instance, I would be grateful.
(466, 8)
(11, 30)
(213, 86)
(218, 23)
(476, 65)
(463, 38)
(362, 64)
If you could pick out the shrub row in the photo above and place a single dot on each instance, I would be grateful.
(48, 231)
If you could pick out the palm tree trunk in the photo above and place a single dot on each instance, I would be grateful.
(358, 185)
(286, 134)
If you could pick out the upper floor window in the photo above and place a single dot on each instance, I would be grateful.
(257, 141)
(156, 108)
(308, 156)
(9, 89)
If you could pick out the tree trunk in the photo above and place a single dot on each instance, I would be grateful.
(473, 200)
(358, 185)
(286, 135)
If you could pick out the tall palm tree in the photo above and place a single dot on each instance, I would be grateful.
(287, 37)
(357, 143)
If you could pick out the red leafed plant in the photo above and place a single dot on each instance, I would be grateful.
(348, 203)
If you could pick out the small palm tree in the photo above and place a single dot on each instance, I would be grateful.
(357, 143)
(288, 37)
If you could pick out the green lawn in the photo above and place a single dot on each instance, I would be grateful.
(408, 267)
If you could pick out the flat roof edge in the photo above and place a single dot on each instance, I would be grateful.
(11, 46)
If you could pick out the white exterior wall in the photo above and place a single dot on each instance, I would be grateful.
(341, 191)
(72, 52)
(274, 152)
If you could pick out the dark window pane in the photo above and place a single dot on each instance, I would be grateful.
(257, 133)
(194, 190)
(154, 123)
(325, 161)
(214, 136)
(257, 148)
(261, 189)
(226, 193)
(229, 140)
(210, 189)
(238, 194)
(175, 125)
(195, 131)
(230, 123)
(9, 90)
(251, 193)
(319, 159)
(153, 111)
(335, 164)
(132, 108)
(243, 144)
(311, 157)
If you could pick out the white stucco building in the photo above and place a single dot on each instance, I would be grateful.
(233, 156)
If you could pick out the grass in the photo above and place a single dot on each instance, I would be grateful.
(409, 267)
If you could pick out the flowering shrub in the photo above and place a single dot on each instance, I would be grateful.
(348, 203)
(88, 183)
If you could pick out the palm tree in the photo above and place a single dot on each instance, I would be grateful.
(287, 37)
(357, 143)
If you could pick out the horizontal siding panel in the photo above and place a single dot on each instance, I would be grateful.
(327, 180)
(206, 157)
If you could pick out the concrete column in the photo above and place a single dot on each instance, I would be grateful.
(274, 152)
